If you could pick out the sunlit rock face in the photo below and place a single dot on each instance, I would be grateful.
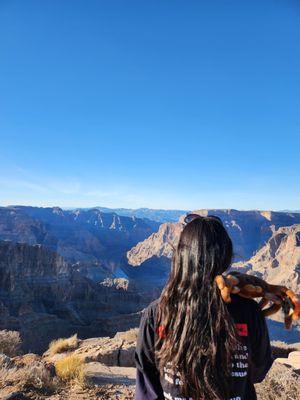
(249, 230)
(278, 261)
(159, 244)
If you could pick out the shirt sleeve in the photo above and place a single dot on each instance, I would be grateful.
(148, 386)
(261, 357)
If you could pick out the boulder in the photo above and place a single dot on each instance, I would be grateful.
(100, 374)
(293, 360)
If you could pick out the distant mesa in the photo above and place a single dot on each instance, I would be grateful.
(157, 215)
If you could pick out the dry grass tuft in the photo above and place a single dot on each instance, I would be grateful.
(10, 343)
(8, 376)
(63, 345)
(70, 369)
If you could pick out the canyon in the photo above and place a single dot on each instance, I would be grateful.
(250, 232)
(43, 297)
(91, 272)
(278, 261)
(95, 240)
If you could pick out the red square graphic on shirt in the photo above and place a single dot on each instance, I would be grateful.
(242, 329)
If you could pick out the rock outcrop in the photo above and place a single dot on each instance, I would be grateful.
(159, 244)
(249, 230)
(44, 297)
(276, 254)
(281, 383)
(112, 351)
(104, 366)
(293, 360)
(278, 261)
(110, 373)
(80, 236)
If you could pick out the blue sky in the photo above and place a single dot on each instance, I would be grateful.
(164, 104)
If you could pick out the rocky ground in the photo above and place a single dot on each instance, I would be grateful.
(109, 372)
(106, 392)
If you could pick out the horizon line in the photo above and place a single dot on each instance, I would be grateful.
(149, 208)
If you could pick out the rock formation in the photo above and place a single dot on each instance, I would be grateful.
(159, 244)
(278, 261)
(249, 230)
(44, 297)
(112, 351)
(84, 236)
(108, 366)
(70, 274)
(157, 215)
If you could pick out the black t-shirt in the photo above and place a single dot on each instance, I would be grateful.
(250, 363)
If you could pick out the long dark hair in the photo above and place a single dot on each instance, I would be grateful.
(199, 336)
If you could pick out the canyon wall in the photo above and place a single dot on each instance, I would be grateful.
(44, 297)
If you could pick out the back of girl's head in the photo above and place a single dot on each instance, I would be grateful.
(199, 332)
(204, 251)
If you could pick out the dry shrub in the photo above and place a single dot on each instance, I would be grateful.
(70, 369)
(35, 376)
(10, 343)
(8, 376)
(64, 344)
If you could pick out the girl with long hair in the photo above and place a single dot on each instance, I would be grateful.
(191, 344)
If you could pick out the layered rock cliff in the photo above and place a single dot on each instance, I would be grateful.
(278, 261)
(159, 244)
(249, 230)
(86, 236)
(44, 297)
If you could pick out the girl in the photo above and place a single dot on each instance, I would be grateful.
(192, 345)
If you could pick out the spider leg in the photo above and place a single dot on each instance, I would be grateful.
(271, 310)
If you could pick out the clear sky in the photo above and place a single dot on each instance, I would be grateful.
(157, 103)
